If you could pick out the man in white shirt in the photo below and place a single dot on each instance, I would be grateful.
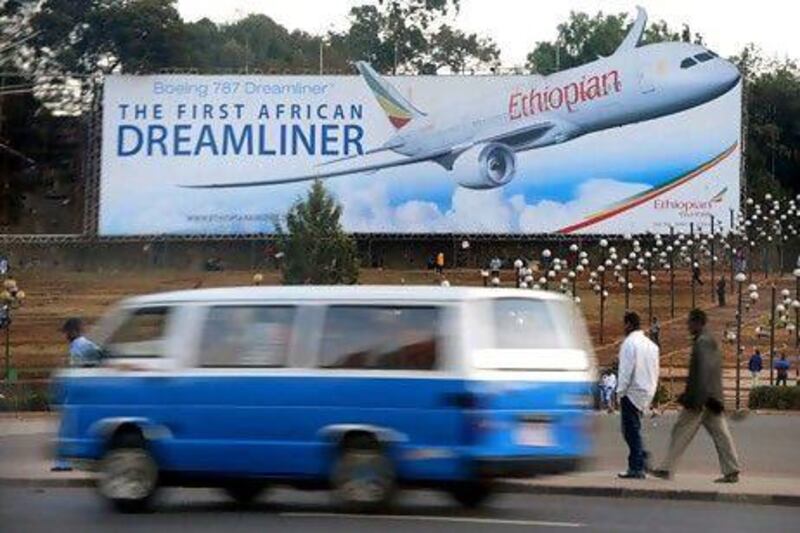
(636, 385)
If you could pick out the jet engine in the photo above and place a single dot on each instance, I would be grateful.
(496, 164)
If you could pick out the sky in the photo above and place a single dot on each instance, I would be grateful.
(516, 25)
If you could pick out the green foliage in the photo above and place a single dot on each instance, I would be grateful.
(584, 38)
(93, 36)
(772, 100)
(772, 397)
(413, 36)
(25, 396)
(316, 249)
(661, 396)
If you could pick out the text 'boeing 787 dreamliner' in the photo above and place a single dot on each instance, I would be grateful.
(635, 84)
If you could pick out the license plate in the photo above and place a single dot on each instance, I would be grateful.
(535, 434)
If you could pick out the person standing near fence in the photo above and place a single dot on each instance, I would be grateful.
(83, 353)
(782, 367)
(755, 365)
(636, 385)
(703, 404)
(440, 263)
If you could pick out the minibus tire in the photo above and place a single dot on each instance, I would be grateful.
(472, 494)
(357, 454)
(128, 451)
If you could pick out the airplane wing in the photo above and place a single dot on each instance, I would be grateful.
(517, 139)
(368, 167)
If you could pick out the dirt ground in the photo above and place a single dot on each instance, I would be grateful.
(37, 346)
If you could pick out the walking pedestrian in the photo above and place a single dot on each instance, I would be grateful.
(703, 404)
(440, 263)
(782, 367)
(655, 332)
(755, 365)
(637, 382)
(696, 274)
(721, 292)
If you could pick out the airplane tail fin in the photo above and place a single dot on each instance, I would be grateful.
(398, 109)
(635, 33)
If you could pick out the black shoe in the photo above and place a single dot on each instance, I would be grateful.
(728, 478)
(631, 475)
(661, 474)
(61, 468)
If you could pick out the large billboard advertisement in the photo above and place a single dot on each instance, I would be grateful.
(631, 143)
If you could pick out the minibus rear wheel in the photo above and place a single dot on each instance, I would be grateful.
(472, 494)
(363, 477)
(128, 473)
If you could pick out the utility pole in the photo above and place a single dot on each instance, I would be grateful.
(672, 272)
(771, 333)
(713, 238)
(691, 259)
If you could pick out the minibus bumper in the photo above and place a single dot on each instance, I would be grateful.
(523, 467)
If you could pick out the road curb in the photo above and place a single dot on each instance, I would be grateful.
(657, 494)
(46, 483)
(510, 487)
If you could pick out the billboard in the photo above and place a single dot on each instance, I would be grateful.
(645, 138)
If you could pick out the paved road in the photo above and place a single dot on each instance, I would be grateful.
(767, 445)
(79, 510)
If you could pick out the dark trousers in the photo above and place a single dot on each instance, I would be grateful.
(632, 432)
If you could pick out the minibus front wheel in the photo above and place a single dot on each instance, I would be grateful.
(128, 473)
(363, 477)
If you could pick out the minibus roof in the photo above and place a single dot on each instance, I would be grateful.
(364, 293)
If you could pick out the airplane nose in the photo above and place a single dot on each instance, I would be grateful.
(728, 75)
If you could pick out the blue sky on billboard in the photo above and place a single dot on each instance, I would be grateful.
(516, 25)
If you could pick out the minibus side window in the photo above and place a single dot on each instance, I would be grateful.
(524, 323)
(141, 334)
(247, 336)
(380, 338)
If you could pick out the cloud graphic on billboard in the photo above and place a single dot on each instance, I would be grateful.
(369, 209)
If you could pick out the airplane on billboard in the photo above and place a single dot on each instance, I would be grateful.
(634, 84)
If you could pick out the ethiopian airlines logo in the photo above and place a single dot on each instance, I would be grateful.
(690, 208)
(569, 95)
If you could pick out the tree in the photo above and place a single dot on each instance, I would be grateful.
(102, 36)
(316, 249)
(413, 36)
(584, 38)
(772, 102)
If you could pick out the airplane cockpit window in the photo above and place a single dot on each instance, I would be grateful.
(688, 63)
(703, 57)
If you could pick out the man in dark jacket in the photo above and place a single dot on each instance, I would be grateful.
(702, 405)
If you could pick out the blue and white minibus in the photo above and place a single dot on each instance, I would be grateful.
(353, 388)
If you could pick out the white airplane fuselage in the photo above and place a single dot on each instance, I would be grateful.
(631, 86)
